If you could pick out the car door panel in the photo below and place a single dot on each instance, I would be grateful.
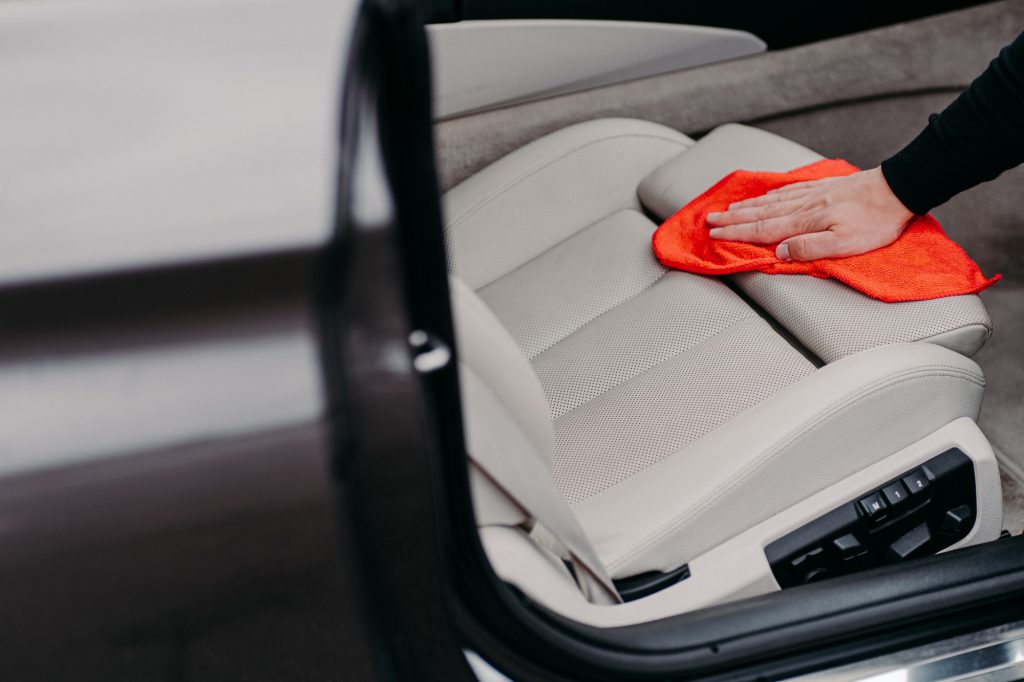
(483, 64)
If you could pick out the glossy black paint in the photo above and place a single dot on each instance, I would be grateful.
(217, 560)
(373, 294)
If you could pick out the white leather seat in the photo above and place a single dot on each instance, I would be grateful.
(680, 417)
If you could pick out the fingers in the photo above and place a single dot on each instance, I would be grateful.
(806, 184)
(769, 199)
(784, 193)
(826, 244)
(738, 216)
(769, 230)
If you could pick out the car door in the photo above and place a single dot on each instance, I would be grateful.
(170, 508)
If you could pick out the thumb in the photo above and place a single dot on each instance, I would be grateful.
(826, 244)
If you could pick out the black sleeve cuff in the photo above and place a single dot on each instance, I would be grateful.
(923, 175)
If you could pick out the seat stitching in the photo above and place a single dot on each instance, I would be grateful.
(680, 352)
(673, 524)
(575, 233)
(502, 189)
(601, 314)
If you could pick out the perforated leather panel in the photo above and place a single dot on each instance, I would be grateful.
(676, 313)
(635, 361)
(544, 193)
(559, 291)
(834, 321)
(634, 425)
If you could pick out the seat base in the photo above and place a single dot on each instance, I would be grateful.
(738, 568)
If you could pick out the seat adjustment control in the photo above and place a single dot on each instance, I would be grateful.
(957, 520)
(921, 511)
(874, 506)
(811, 566)
(852, 551)
(917, 482)
(805, 561)
(896, 495)
(911, 544)
(849, 546)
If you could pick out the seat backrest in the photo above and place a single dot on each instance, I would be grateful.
(509, 437)
(487, 354)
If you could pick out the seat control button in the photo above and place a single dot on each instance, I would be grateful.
(849, 546)
(806, 561)
(873, 506)
(917, 482)
(957, 520)
(895, 494)
(816, 574)
(810, 566)
(855, 555)
(911, 544)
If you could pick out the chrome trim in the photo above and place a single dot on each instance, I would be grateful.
(483, 670)
(994, 655)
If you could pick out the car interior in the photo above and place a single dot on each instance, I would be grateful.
(647, 442)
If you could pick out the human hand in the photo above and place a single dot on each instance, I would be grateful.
(827, 218)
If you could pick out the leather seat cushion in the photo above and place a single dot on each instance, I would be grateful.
(635, 361)
(829, 318)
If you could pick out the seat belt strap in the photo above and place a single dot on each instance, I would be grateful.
(503, 452)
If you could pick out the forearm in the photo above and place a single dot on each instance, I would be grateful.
(977, 137)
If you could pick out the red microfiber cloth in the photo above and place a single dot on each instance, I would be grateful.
(922, 264)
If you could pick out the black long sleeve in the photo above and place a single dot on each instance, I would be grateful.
(977, 137)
